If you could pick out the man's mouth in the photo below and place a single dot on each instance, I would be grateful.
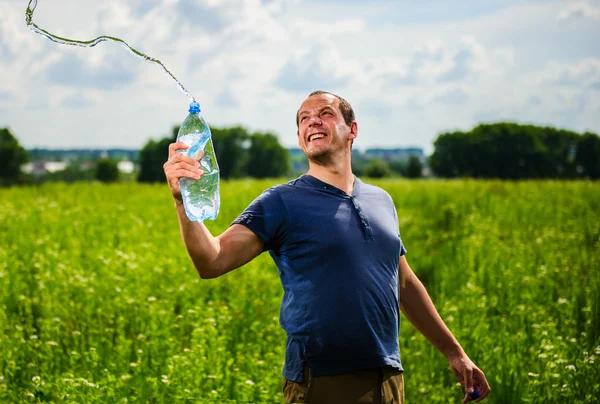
(315, 136)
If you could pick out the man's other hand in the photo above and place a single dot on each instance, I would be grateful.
(469, 376)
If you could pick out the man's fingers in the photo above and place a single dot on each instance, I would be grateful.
(199, 154)
(173, 147)
(467, 378)
(180, 158)
(181, 173)
(192, 166)
(481, 384)
(468, 375)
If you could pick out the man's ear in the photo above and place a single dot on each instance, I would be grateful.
(353, 130)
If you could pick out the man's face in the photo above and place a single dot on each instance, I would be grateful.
(322, 131)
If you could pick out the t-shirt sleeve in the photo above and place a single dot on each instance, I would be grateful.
(402, 248)
(266, 216)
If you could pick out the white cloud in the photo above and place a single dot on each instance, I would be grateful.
(581, 73)
(580, 10)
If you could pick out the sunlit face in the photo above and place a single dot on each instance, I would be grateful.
(322, 131)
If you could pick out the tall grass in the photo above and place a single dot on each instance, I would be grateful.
(99, 302)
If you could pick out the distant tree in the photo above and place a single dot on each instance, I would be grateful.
(506, 150)
(377, 168)
(414, 169)
(107, 170)
(72, 173)
(588, 155)
(267, 158)
(398, 167)
(229, 147)
(447, 159)
(12, 157)
(359, 163)
(152, 157)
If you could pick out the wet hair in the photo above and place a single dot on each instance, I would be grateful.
(345, 107)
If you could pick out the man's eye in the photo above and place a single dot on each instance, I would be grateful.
(302, 119)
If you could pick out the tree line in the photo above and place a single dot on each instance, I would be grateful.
(513, 151)
(500, 150)
(239, 154)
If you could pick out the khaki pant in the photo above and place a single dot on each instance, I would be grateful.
(372, 386)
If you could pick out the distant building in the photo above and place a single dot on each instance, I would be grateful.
(126, 167)
(40, 168)
(394, 154)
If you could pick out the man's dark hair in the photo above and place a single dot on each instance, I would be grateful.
(345, 107)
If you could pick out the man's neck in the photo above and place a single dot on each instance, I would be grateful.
(338, 175)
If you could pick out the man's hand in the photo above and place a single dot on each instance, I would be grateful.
(178, 166)
(469, 376)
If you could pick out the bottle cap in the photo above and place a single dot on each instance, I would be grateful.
(475, 394)
(194, 108)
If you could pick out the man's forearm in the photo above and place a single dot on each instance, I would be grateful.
(417, 307)
(201, 246)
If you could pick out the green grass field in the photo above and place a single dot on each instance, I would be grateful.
(100, 303)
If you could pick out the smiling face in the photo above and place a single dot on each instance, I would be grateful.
(322, 131)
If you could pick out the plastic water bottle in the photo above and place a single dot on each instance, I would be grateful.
(200, 197)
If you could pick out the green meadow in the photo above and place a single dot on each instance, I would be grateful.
(99, 302)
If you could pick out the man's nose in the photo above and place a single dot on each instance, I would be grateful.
(315, 120)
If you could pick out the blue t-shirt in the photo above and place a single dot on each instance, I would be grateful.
(337, 257)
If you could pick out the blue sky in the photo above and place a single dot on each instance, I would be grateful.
(411, 69)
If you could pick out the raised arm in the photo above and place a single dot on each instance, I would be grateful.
(417, 307)
(212, 256)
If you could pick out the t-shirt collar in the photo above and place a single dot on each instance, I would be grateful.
(317, 183)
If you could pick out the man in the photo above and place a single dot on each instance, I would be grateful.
(342, 264)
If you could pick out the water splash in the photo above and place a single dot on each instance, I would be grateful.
(88, 44)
